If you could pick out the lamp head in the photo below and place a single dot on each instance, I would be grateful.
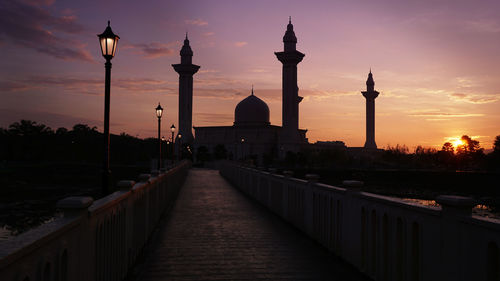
(108, 41)
(159, 111)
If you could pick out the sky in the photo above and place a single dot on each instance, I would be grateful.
(435, 64)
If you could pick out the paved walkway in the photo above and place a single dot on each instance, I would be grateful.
(216, 233)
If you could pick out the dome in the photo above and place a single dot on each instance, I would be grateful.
(251, 111)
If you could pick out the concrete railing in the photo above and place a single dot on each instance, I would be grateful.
(384, 237)
(94, 240)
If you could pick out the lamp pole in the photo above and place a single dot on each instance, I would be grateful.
(172, 128)
(242, 148)
(159, 112)
(180, 146)
(163, 150)
(108, 41)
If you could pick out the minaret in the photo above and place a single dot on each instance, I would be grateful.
(290, 57)
(186, 70)
(370, 96)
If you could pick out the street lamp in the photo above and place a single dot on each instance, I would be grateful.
(172, 129)
(180, 146)
(108, 41)
(242, 148)
(159, 112)
(163, 141)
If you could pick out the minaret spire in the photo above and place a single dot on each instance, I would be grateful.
(186, 70)
(370, 95)
(290, 57)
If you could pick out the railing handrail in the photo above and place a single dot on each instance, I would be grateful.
(88, 224)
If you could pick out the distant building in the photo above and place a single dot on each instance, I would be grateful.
(370, 95)
(186, 70)
(252, 135)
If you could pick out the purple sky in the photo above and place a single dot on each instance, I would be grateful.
(435, 63)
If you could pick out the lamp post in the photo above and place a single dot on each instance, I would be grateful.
(163, 150)
(180, 146)
(172, 129)
(108, 41)
(159, 112)
(242, 148)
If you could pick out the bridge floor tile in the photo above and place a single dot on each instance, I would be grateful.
(214, 232)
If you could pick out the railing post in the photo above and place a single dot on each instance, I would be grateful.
(312, 179)
(286, 187)
(351, 231)
(74, 206)
(82, 254)
(125, 185)
(454, 210)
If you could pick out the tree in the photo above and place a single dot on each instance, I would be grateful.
(29, 128)
(468, 146)
(448, 147)
(469, 153)
(496, 144)
(84, 129)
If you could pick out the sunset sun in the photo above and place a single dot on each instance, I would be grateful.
(456, 143)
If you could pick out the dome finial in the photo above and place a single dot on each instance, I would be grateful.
(252, 89)
(186, 35)
(289, 19)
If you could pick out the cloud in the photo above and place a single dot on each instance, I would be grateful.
(208, 71)
(208, 33)
(198, 22)
(205, 118)
(153, 50)
(33, 27)
(240, 43)
(483, 26)
(475, 99)
(8, 86)
(39, 2)
(433, 115)
(259, 70)
(90, 86)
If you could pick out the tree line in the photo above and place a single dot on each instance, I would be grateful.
(28, 140)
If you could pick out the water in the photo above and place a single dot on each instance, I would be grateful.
(5, 233)
(479, 210)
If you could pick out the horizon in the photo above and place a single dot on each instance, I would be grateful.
(434, 66)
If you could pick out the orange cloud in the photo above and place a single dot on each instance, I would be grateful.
(198, 22)
(240, 43)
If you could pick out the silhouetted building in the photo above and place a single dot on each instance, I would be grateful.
(186, 70)
(290, 57)
(251, 135)
(370, 95)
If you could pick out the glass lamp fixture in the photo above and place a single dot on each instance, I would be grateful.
(159, 111)
(108, 41)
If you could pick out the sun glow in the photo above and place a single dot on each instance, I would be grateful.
(456, 143)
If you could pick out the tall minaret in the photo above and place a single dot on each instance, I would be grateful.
(370, 96)
(290, 57)
(186, 70)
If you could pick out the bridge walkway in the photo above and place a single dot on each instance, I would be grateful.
(214, 232)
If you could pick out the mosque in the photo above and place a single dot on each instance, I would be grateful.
(252, 135)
